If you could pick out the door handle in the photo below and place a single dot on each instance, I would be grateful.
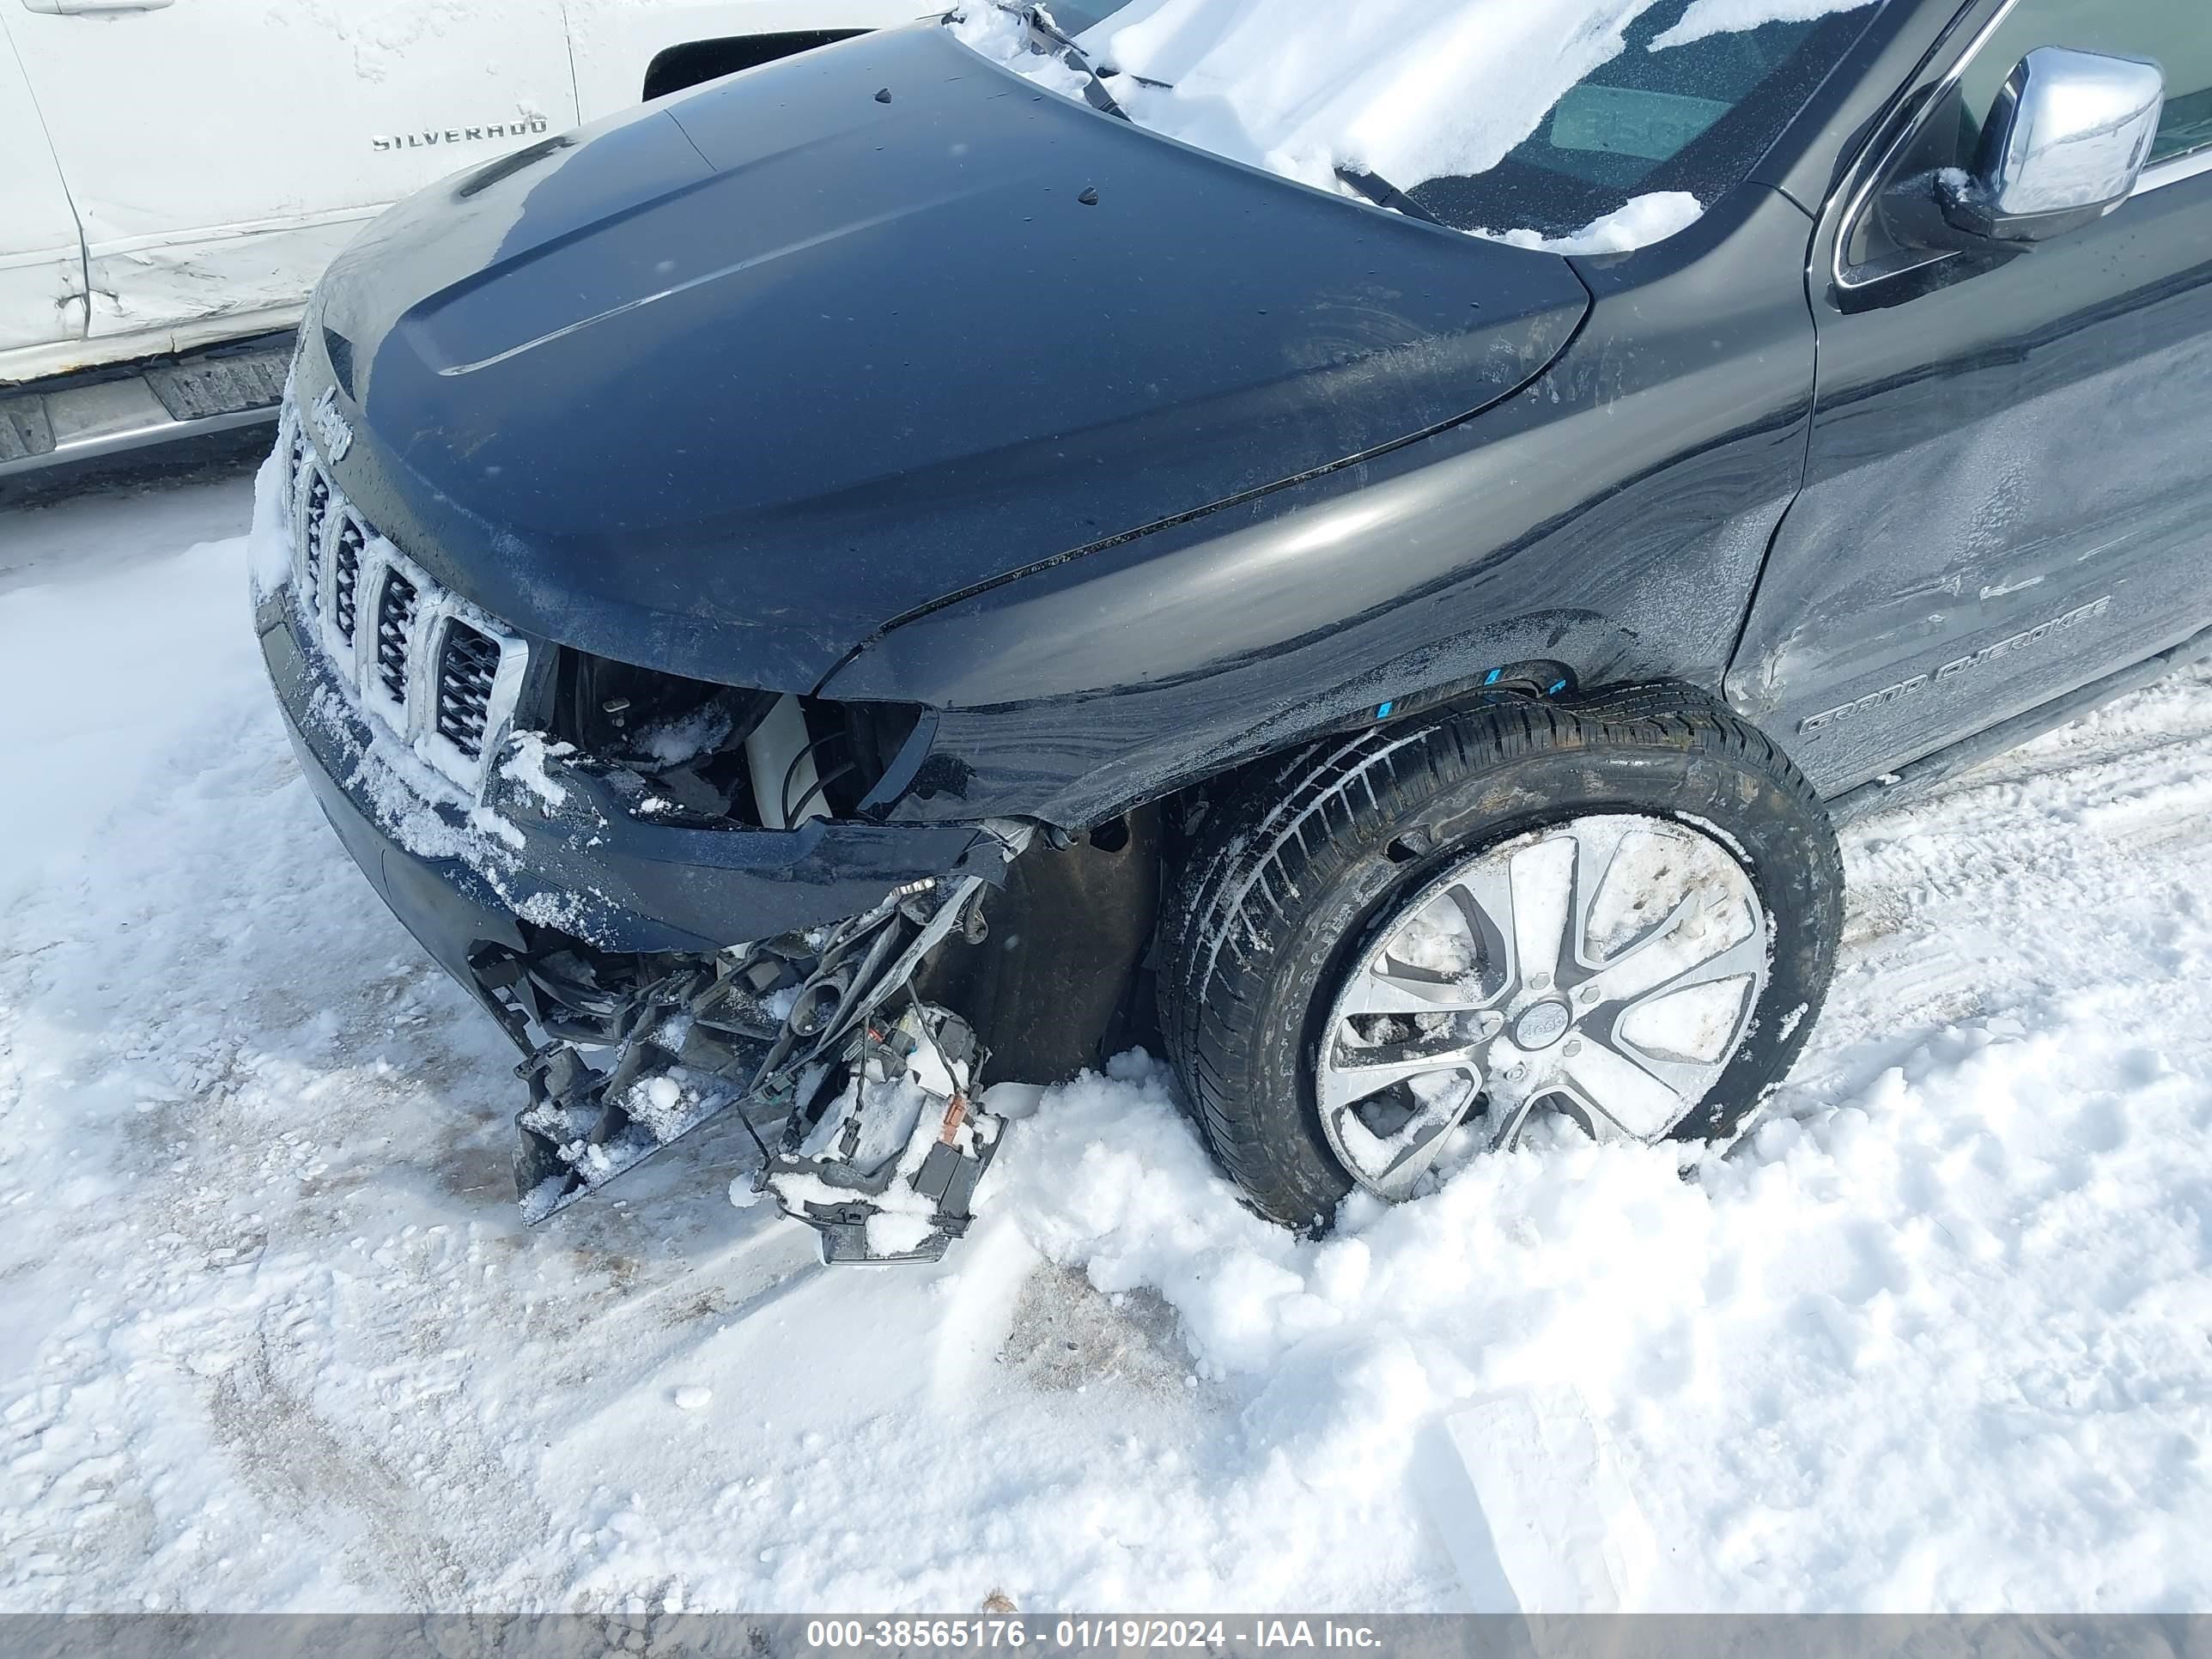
(75, 8)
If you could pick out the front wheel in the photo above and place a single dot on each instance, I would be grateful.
(1623, 911)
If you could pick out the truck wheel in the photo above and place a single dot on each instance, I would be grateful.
(1623, 910)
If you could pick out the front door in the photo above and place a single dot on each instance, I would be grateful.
(2009, 492)
(220, 152)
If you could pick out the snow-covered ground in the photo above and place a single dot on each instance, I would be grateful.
(271, 1336)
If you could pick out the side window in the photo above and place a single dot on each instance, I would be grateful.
(2175, 34)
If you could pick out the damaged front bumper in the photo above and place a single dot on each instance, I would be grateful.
(882, 1145)
(655, 975)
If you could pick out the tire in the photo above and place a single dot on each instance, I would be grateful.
(1301, 867)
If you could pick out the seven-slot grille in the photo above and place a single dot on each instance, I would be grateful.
(436, 670)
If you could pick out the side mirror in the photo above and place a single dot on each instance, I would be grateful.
(2064, 146)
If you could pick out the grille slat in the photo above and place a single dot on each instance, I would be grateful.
(467, 666)
(350, 581)
(345, 580)
(295, 458)
(311, 538)
(395, 613)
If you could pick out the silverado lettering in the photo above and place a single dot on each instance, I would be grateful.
(523, 127)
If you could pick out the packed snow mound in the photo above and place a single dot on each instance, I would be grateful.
(1646, 220)
(1409, 91)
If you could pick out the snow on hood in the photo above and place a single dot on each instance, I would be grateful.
(1410, 90)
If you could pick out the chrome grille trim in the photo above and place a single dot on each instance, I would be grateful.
(382, 626)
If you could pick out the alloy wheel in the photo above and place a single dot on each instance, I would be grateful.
(1605, 967)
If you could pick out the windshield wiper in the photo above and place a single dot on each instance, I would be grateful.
(1381, 191)
(1095, 93)
(1039, 21)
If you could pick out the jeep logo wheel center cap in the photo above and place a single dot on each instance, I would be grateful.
(1541, 1026)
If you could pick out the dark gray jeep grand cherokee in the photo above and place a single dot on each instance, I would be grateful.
(888, 557)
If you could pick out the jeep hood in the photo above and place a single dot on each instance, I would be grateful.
(730, 384)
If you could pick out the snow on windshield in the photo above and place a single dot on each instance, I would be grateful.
(1646, 220)
(1408, 90)
(1706, 18)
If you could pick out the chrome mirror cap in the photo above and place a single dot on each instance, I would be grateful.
(2066, 142)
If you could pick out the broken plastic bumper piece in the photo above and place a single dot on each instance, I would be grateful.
(882, 1145)
(887, 1169)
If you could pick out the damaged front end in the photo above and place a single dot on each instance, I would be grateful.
(880, 1143)
(678, 897)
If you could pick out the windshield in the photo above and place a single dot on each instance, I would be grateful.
(1583, 125)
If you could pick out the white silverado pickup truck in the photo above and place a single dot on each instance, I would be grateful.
(174, 174)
